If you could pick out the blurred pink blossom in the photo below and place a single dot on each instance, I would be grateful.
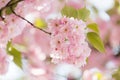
(44, 8)
(104, 28)
(96, 74)
(3, 3)
(115, 30)
(68, 41)
(15, 25)
(3, 61)
(3, 34)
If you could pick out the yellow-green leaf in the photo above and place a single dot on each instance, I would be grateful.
(99, 75)
(40, 23)
(95, 41)
(69, 12)
(82, 13)
(8, 11)
(15, 53)
(94, 27)
(116, 74)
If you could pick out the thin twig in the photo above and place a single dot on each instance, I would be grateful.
(28, 21)
(8, 5)
(3, 9)
(1, 15)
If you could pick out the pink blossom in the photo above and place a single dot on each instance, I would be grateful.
(115, 30)
(3, 3)
(103, 60)
(15, 25)
(42, 7)
(35, 55)
(96, 74)
(114, 39)
(68, 41)
(42, 72)
(3, 61)
(11, 27)
(36, 37)
(104, 28)
(3, 34)
(37, 50)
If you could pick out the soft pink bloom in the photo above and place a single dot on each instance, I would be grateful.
(114, 39)
(42, 72)
(115, 30)
(110, 30)
(76, 3)
(104, 28)
(3, 61)
(3, 34)
(96, 74)
(11, 27)
(39, 39)
(15, 25)
(35, 55)
(37, 45)
(42, 7)
(3, 3)
(103, 60)
(68, 41)
(27, 7)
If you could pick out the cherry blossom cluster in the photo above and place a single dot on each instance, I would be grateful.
(68, 41)
(13, 24)
(63, 41)
(11, 27)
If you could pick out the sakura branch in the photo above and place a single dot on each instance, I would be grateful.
(9, 4)
(28, 21)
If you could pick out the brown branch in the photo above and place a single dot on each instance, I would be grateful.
(8, 5)
(28, 21)
(3, 9)
(1, 15)
(11, 4)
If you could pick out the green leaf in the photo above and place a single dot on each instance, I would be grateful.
(116, 74)
(8, 11)
(95, 41)
(40, 23)
(69, 12)
(13, 4)
(15, 53)
(93, 27)
(13, 1)
(82, 13)
(87, 59)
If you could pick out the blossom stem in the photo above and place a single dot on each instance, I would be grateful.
(1, 15)
(9, 4)
(28, 21)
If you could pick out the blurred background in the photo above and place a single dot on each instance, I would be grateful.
(106, 13)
